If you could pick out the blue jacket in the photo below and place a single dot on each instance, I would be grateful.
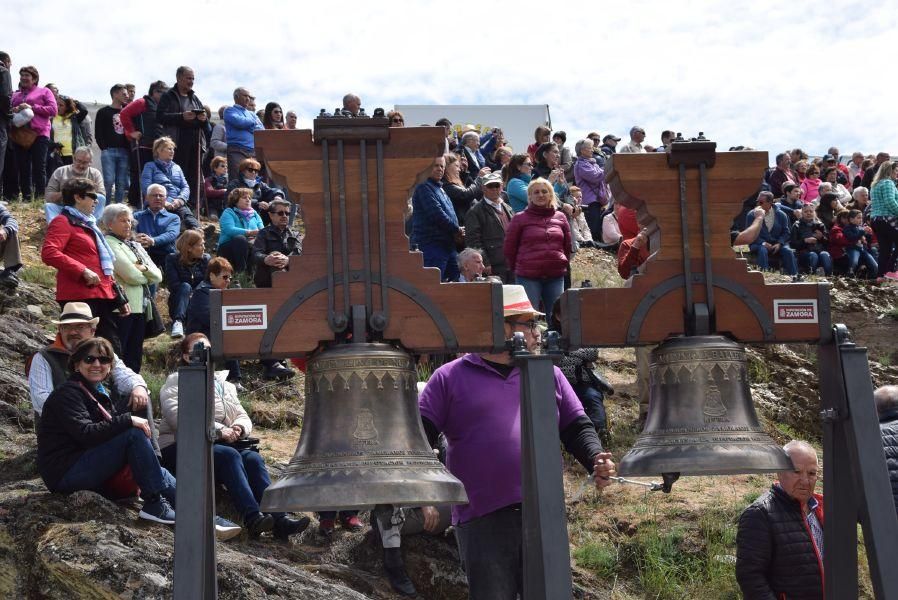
(433, 217)
(163, 227)
(517, 192)
(240, 124)
(780, 232)
(168, 175)
(177, 272)
(233, 223)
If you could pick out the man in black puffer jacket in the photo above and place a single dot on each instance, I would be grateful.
(886, 399)
(779, 545)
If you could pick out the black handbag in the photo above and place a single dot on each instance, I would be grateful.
(154, 325)
(121, 298)
(250, 443)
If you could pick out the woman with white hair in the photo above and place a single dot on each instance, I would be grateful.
(134, 270)
(470, 142)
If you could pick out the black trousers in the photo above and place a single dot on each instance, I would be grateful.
(32, 163)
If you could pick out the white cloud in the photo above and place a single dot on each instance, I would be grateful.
(766, 74)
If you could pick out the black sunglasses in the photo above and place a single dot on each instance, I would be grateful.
(91, 195)
(281, 213)
(103, 360)
(251, 170)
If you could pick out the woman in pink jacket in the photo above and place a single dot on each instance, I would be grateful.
(538, 246)
(32, 161)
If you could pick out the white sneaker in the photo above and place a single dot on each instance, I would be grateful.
(177, 329)
(225, 530)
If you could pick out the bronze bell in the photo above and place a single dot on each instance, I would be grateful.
(362, 441)
(701, 419)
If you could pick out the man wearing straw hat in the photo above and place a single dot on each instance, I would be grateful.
(475, 402)
(48, 368)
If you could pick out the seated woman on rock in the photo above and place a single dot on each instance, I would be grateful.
(238, 466)
(83, 445)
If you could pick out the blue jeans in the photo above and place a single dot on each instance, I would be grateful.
(443, 258)
(812, 260)
(242, 472)
(101, 462)
(491, 552)
(117, 171)
(790, 265)
(546, 290)
(856, 255)
(593, 402)
(52, 210)
(178, 299)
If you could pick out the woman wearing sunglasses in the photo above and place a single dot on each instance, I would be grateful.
(82, 444)
(248, 176)
(84, 260)
(219, 275)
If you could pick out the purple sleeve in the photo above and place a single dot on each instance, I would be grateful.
(434, 400)
(569, 406)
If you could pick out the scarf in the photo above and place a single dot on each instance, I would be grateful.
(106, 257)
(247, 214)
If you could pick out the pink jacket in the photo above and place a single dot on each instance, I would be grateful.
(43, 103)
(538, 243)
(810, 189)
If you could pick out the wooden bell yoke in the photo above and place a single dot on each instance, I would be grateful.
(352, 179)
(692, 283)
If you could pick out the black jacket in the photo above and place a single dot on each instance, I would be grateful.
(888, 427)
(198, 310)
(262, 192)
(775, 553)
(72, 423)
(483, 230)
(170, 119)
(269, 240)
(462, 197)
(5, 96)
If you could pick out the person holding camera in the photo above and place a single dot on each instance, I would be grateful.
(84, 261)
(184, 120)
(238, 464)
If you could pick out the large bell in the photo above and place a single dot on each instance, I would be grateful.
(701, 419)
(362, 441)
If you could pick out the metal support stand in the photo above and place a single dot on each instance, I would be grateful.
(854, 463)
(547, 565)
(195, 562)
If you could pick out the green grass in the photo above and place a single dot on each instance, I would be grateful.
(598, 556)
(758, 371)
(39, 274)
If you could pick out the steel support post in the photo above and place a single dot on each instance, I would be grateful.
(195, 562)
(860, 487)
(547, 564)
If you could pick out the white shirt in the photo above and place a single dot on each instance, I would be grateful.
(40, 380)
(633, 148)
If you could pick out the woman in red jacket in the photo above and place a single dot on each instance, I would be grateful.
(83, 260)
(538, 246)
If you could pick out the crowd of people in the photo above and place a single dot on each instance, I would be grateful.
(116, 235)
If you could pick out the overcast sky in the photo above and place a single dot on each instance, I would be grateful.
(759, 73)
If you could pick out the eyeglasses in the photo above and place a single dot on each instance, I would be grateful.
(395, 120)
(532, 325)
(281, 213)
(103, 360)
(251, 170)
(91, 195)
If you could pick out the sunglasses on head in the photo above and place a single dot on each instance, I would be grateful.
(103, 360)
